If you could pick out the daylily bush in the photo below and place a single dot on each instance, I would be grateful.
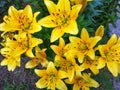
(75, 59)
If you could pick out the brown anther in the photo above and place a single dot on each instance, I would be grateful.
(59, 10)
(57, 14)
(52, 20)
(53, 14)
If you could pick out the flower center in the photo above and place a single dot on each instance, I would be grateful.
(80, 81)
(113, 55)
(61, 19)
(66, 65)
(24, 22)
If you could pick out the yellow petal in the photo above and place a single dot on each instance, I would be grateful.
(101, 63)
(51, 66)
(29, 53)
(91, 54)
(92, 82)
(42, 83)
(52, 8)
(118, 40)
(100, 31)
(40, 73)
(31, 64)
(102, 49)
(28, 12)
(13, 12)
(119, 68)
(112, 40)
(76, 87)
(80, 57)
(85, 88)
(113, 68)
(48, 21)
(61, 42)
(71, 27)
(94, 69)
(74, 39)
(84, 34)
(61, 85)
(56, 33)
(34, 42)
(64, 6)
(34, 27)
(75, 11)
(62, 74)
(11, 65)
(55, 49)
(2, 26)
(94, 41)
(70, 74)
(4, 62)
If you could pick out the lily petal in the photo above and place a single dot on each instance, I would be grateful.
(75, 11)
(94, 69)
(56, 33)
(48, 21)
(94, 41)
(76, 87)
(91, 54)
(52, 8)
(41, 83)
(61, 42)
(100, 31)
(61, 85)
(55, 49)
(84, 34)
(64, 6)
(13, 12)
(4, 62)
(28, 11)
(31, 64)
(62, 74)
(113, 68)
(71, 27)
(80, 57)
(101, 63)
(40, 73)
(51, 66)
(112, 40)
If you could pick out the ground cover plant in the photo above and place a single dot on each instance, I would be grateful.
(66, 45)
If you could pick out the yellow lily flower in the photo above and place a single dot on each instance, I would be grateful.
(84, 46)
(110, 54)
(11, 62)
(12, 51)
(51, 78)
(62, 17)
(12, 57)
(21, 20)
(90, 64)
(83, 2)
(67, 65)
(82, 82)
(32, 42)
(39, 58)
(59, 50)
